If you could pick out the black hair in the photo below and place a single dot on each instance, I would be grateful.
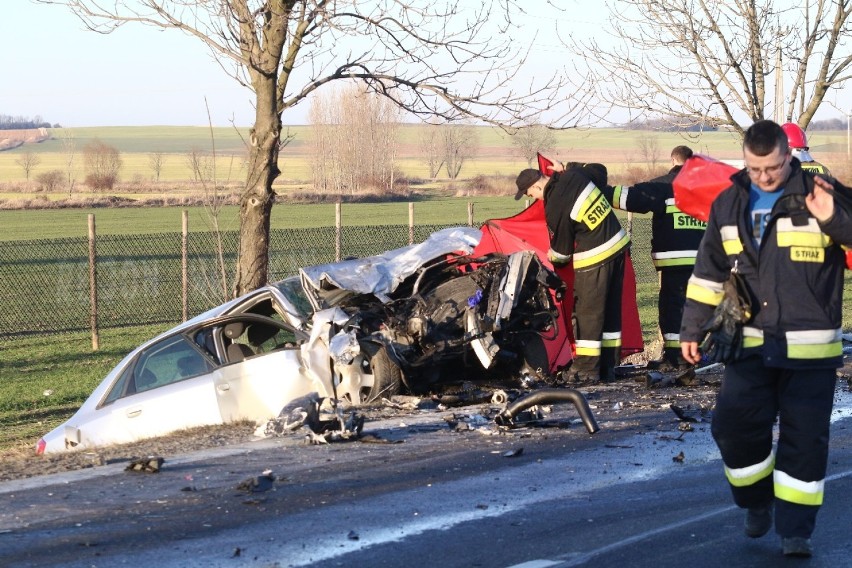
(681, 153)
(763, 137)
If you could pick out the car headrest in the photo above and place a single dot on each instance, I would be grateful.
(234, 329)
(238, 352)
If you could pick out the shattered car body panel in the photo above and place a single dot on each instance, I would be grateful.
(458, 318)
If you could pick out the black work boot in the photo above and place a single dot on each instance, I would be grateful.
(797, 547)
(758, 521)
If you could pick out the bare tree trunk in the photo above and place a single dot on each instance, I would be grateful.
(258, 196)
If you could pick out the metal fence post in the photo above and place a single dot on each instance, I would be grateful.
(338, 228)
(184, 272)
(410, 222)
(93, 285)
(470, 213)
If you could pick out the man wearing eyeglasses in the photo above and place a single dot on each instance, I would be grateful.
(781, 229)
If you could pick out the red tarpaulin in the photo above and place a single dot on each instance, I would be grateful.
(698, 183)
(528, 231)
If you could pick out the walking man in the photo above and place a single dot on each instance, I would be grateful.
(781, 229)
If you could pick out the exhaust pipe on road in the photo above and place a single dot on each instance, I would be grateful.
(549, 396)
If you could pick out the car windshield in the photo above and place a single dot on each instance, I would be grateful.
(292, 289)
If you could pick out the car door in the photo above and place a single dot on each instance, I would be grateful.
(169, 386)
(263, 374)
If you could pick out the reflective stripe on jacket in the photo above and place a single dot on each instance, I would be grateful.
(581, 223)
(795, 278)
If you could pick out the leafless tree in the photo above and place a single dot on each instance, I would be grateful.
(199, 164)
(449, 60)
(431, 148)
(649, 152)
(459, 143)
(28, 161)
(354, 133)
(69, 150)
(532, 139)
(713, 63)
(102, 163)
(51, 180)
(156, 160)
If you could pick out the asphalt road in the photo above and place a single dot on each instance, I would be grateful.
(638, 493)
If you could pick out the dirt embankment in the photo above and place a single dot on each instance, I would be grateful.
(13, 138)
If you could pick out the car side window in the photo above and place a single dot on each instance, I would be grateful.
(265, 338)
(169, 361)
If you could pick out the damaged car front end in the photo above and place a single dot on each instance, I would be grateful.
(457, 318)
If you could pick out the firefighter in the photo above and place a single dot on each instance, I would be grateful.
(799, 147)
(674, 243)
(780, 229)
(584, 229)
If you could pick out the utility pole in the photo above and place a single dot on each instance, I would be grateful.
(779, 88)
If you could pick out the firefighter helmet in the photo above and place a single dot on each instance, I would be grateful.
(795, 136)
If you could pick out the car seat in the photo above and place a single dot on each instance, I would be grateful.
(238, 352)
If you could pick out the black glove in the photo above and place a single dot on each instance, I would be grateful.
(724, 341)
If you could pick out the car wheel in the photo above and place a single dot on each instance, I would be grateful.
(387, 377)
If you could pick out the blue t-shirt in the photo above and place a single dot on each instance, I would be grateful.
(760, 205)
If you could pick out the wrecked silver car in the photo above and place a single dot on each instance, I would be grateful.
(409, 320)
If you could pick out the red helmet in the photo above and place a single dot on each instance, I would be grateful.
(795, 136)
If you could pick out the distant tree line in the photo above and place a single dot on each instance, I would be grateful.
(666, 126)
(660, 125)
(8, 122)
(830, 124)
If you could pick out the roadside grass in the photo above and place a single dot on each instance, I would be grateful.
(16, 225)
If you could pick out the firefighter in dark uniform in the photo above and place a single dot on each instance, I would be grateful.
(675, 237)
(781, 228)
(800, 149)
(584, 229)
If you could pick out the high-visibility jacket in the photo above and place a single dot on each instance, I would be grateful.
(815, 167)
(795, 277)
(675, 236)
(581, 223)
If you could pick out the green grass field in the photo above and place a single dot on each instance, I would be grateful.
(17, 225)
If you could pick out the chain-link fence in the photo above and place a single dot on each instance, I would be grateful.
(45, 284)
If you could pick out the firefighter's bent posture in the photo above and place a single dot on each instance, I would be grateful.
(584, 229)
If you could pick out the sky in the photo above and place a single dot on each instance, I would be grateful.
(137, 75)
(52, 67)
